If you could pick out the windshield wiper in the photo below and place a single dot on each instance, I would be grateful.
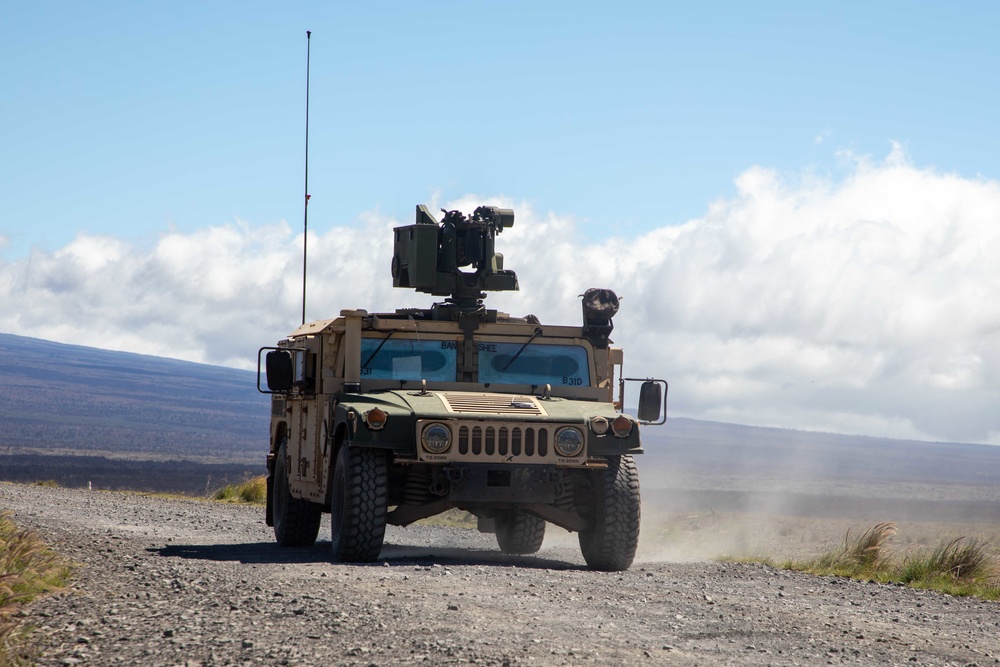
(372, 355)
(538, 332)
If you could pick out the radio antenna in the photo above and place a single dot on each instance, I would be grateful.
(305, 212)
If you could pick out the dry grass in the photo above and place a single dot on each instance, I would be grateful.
(865, 555)
(454, 518)
(28, 568)
(252, 492)
(961, 566)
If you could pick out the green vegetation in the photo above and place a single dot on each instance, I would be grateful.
(28, 568)
(110, 472)
(961, 566)
(862, 556)
(453, 518)
(47, 483)
(253, 491)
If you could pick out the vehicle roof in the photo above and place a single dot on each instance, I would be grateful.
(505, 325)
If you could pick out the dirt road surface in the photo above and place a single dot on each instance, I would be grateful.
(174, 582)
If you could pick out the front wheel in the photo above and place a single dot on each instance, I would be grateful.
(296, 521)
(359, 504)
(610, 544)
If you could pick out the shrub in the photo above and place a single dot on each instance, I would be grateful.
(253, 491)
(961, 559)
(28, 568)
(866, 554)
(959, 567)
(454, 518)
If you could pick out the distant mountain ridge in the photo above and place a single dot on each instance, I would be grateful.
(69, 399)
(763, 458)
(59, 400)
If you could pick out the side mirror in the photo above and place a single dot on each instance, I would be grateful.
(278, 366)
(650, 400)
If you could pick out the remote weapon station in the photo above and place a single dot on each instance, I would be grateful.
(388, 418)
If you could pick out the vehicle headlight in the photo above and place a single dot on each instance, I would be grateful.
(621, 426)
(569, 441)
(599, 425)
(436, 438)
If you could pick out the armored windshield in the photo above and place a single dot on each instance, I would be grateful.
(558, 365)
(408, 359)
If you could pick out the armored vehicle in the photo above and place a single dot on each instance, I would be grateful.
(388, 418)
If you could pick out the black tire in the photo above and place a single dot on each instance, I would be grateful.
(519, 532)
(610, 544)
(358, 505)
(296, 521)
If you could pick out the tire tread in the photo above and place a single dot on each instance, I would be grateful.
(365, 505)
(299, 525)
(520, 533)
(610, 545)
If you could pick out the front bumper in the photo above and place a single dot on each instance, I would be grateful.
(486, 483)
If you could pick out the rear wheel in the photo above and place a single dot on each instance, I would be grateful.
(359, 504)
(611, 542)
(296, 521)
(519, 532)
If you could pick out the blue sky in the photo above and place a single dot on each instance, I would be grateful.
(129, 118)
(798, 201)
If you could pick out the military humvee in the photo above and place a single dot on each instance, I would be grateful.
(388, 418)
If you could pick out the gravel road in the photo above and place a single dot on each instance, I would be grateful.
(173, 582)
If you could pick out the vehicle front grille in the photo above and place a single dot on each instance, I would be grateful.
(513, 441)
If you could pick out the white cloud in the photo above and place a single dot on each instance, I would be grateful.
(866, 305)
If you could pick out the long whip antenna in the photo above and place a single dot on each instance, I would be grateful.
(305, 213)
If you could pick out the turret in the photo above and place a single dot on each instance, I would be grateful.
(428, 256)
